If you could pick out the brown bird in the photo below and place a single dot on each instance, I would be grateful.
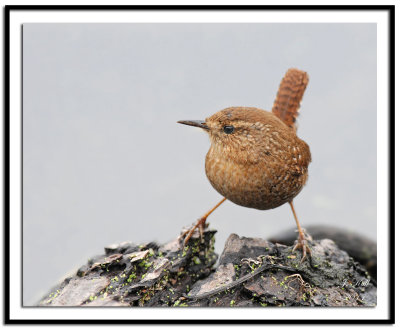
(256, 159)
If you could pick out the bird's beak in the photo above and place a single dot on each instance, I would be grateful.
(195, 123)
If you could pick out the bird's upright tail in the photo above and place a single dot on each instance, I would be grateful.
(288, 98)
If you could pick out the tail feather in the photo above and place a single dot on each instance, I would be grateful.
(288, 98)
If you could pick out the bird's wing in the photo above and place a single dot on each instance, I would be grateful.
(288, 98)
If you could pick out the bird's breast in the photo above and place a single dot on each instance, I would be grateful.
(262, 185)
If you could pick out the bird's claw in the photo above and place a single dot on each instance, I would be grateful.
(302, 245)
(200, 225)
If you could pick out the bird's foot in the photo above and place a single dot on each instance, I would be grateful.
(301, 243)
(200, 225)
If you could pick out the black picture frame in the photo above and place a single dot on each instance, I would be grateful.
(390, 9)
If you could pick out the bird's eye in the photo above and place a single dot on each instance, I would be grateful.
(229, 129)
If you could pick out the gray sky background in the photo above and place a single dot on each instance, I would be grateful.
(105, 160)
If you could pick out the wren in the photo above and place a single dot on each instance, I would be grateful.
(256, 159)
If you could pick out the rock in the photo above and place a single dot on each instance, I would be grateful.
(106, 301)
(117, 248)
(146, 275)
(250, 273)
(362, 249)
(77, 291)
(223, 275)
(329, 278)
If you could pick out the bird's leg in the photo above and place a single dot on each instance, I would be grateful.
(200, 225)
(301, 240)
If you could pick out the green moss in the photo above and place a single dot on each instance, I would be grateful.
(184, 253)
(196, 260)
(52, 296)
(131, 277)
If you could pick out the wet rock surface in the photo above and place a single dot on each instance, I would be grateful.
(250, 273)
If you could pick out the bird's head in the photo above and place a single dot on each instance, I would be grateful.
(239, 131)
